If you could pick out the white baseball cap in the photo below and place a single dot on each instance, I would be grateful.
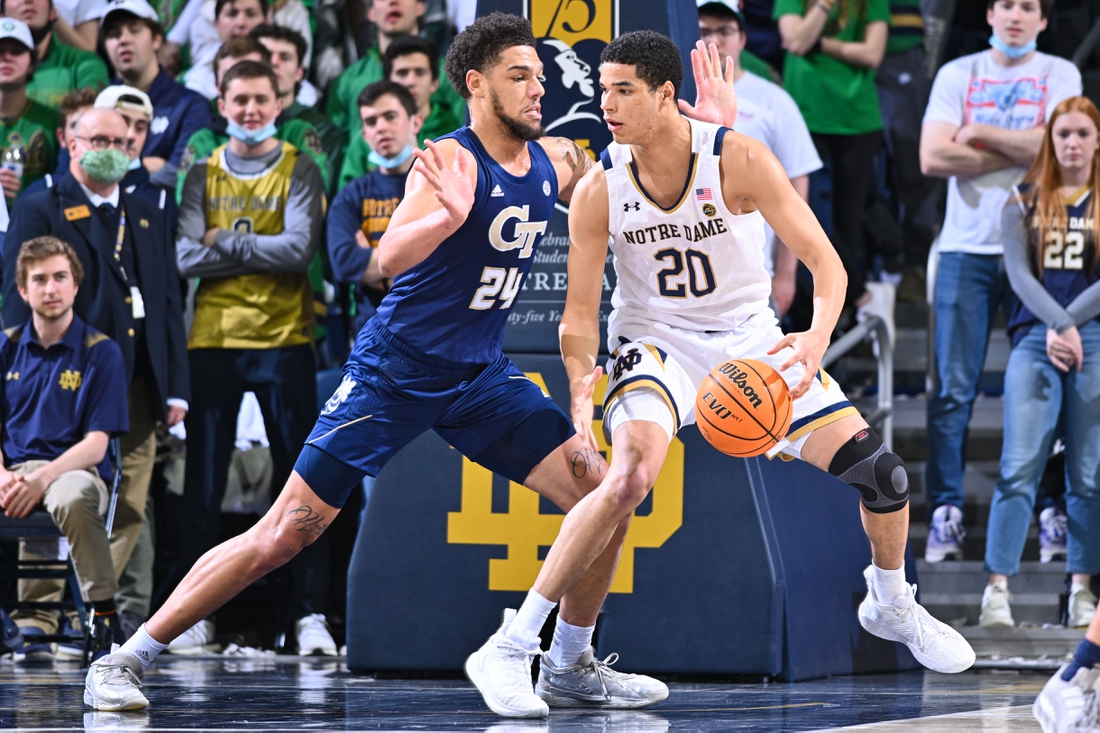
(127, 98)
(140, 8)
(734, 5)
(17, 29)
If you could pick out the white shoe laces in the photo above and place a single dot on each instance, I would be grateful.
(604, 671)
(120, 672)
(514, 654)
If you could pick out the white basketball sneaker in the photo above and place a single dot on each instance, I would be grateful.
(314, 638)
(996, 608)
(935, 644)
(591, 683)
(1069, 706)
(198, 639)
(114, 683)
(501, 671)
(1082, 606)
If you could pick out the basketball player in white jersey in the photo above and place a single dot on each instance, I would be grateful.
(683, 203)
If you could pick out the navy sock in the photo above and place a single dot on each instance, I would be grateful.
(1087, 655)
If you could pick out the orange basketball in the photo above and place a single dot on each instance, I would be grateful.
(743, 408)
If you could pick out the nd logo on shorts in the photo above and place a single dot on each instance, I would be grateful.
(341, 394)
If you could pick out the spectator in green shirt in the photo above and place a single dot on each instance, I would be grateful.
(24, 124)
(59, 68)
(833, 48)
(394, 18)
(297, 132)
(412, 62)
(288, 49)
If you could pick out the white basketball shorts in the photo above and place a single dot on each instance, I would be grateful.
(656, 371)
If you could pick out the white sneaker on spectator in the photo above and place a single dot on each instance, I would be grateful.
(996, 610)
(198, 639)
(1069, 706)
(314, 638)
(1082, 606)
(501, 671)
(945, 535)
(1052, 534)
(935, 644)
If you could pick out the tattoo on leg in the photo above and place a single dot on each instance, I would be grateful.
(307, 520)
(586, 460)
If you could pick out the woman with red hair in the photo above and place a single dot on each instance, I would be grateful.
(1052, 380)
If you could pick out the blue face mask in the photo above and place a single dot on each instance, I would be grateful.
(250, 137)
(395, 162)
(1010, 51)
(135, 164)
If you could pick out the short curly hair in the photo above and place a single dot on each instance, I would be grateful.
(653, 55)
(481, 44)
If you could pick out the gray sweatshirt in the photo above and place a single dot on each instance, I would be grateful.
(240, 253)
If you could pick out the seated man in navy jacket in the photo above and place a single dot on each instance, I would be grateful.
(63, 398)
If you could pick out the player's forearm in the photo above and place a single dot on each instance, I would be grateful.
(407, 245)
(830, 284)
(943, 160)
(579, 337)
(84, 455)
(1019, 146)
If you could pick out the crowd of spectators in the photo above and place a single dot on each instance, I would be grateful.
(257, 162)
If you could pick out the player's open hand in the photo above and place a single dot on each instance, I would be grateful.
(582, 409)
(715, 99)
(807, 349)
(452, 184)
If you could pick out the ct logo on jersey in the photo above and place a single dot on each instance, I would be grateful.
(525, 231)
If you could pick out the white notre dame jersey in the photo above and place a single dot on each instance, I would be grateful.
(695, 265)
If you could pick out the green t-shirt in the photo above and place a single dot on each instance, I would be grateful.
(64, 69)
(835, 98)
(440, 122)
(906, 26)
(33, 130)
(202, 143)
(343, 100)
(332, 138)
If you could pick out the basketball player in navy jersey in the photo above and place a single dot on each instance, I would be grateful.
(458, 247)
(683, 203)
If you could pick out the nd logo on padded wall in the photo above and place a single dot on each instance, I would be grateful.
(571, 34)
(524, 530)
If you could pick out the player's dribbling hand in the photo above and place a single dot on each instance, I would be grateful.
(715, 99)
(452, 184)
(808, 347)
(582, 409)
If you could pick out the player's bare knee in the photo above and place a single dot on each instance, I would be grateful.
(866, 464)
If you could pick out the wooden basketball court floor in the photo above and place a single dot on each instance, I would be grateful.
(303, 694)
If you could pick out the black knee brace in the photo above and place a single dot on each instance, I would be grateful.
(867, 464)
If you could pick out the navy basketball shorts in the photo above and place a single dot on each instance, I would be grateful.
(391, 393)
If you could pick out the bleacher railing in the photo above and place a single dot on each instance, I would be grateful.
(882, 418)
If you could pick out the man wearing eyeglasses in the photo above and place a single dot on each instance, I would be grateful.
(131, 289)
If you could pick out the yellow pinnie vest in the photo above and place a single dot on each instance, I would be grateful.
(259, 311)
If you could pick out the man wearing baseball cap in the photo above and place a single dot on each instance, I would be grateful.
(26, 127)
(132, 36)
(59, 68)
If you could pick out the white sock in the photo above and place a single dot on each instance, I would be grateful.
(527, 624)
(144, 647)
(889, 584)
(570, 642)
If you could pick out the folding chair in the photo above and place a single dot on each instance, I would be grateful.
(39, 525)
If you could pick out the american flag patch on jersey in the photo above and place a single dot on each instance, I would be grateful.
(703, 194)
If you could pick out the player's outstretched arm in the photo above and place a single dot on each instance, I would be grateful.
(750, 171)
(715, 98)
(438, 197)
(579, 332)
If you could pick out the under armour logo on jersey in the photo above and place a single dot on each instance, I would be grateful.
(636, 204)
(525, 231)
(627, 362)
(496, 191)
